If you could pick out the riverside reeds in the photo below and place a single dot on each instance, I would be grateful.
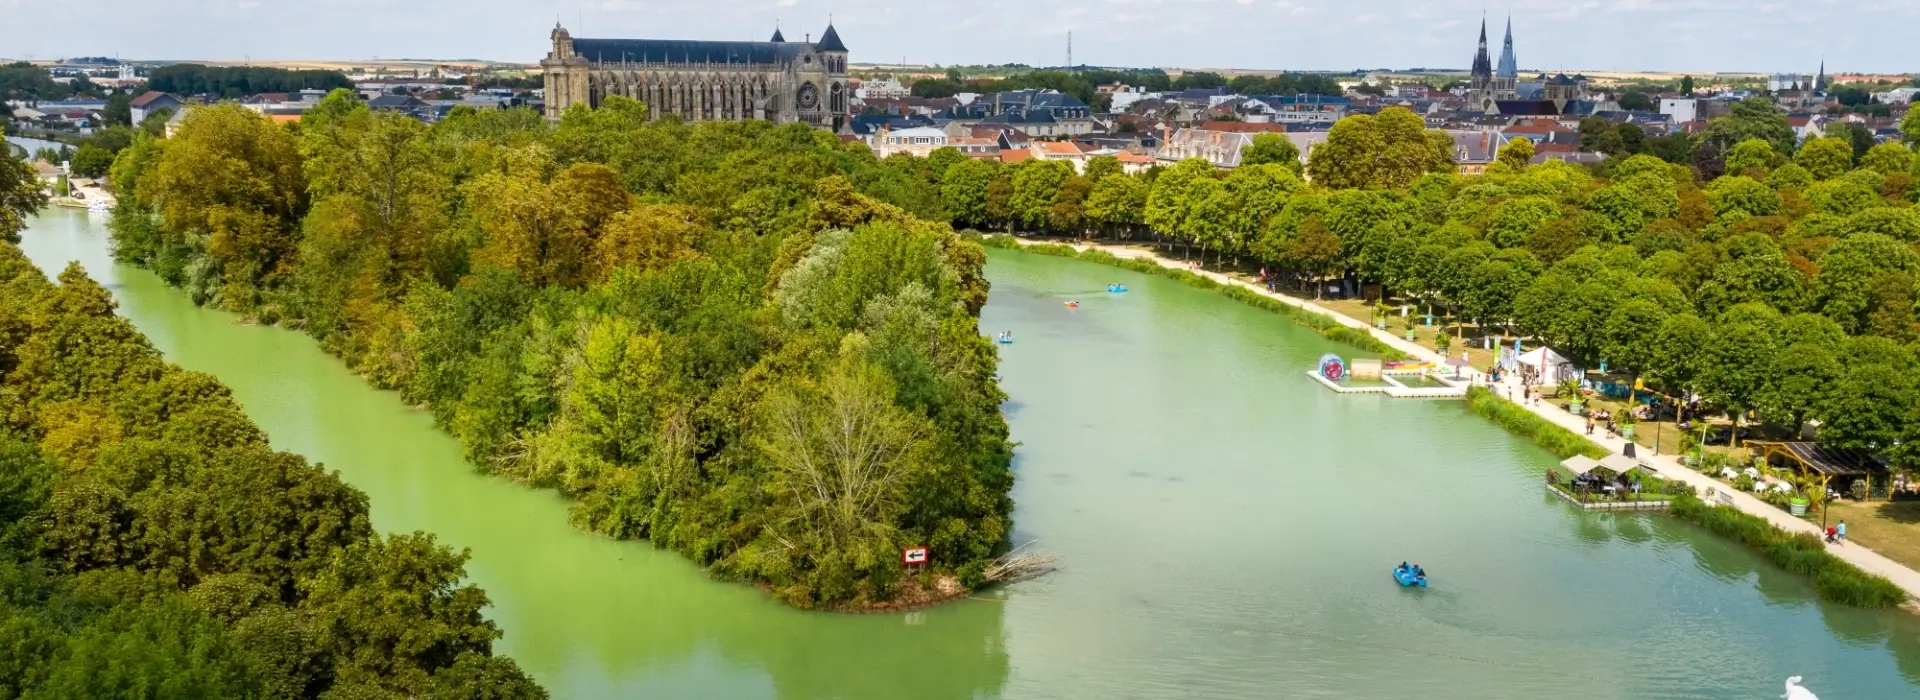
(1835, 580)
(1563, 443)
(1320, 323)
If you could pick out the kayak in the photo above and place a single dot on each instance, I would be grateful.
(1116, 288)
(1406, 577)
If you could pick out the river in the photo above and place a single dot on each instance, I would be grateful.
(1225, 529)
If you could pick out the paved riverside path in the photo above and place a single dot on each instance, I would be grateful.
(1664, 465)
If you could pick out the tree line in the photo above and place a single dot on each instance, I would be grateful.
(151, 542)
(1777, 279)
(240, 81)
(739, 341)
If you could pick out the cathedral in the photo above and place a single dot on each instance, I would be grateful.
(1488, 86)
(777, 80)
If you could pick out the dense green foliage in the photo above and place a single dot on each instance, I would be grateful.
(1834, 579)
(719, 337)
(153, 545)
(1322, 323)
(1779, 281)
(240, 81)
(20, 195)
(1563, 443)
(24, 82)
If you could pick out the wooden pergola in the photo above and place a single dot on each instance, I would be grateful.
(1825, 462)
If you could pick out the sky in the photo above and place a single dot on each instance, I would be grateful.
(1659, 35)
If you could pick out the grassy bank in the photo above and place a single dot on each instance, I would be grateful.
(1517, 419)
(1835, 580)
(1320, 323)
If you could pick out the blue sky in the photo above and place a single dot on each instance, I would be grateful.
(1677, 35)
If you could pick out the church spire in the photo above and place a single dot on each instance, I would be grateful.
(1820, 81)
(1509, 67)
(1482, 65)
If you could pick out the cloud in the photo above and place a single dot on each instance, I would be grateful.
(1728, 35)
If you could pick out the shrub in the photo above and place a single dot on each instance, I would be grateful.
(1834, 580)
(1563, 443)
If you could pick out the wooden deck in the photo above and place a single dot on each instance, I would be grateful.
(1608, 505)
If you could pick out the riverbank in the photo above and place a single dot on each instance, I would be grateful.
(1176, 499)
(1663, 466)
(1321, 321)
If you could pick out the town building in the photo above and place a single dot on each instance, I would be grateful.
(777, 80)
(149, 102)
(887, 89)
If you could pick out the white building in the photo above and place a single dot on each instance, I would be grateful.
(888, 89)
(918, 141)
(1901, 95)
(1681, 110)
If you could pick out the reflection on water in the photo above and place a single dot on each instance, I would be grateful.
(1225, 526)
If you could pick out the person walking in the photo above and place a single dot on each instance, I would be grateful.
(1840, 531)
(1589, 425)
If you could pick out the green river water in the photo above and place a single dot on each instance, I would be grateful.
(1225, 529)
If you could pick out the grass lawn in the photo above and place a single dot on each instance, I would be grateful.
(1890, 528)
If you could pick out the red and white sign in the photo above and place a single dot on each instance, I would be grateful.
(913, 556)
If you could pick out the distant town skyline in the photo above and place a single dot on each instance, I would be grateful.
(1629, 35)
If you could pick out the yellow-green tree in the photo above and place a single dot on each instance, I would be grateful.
(1517, 152)
(230, 181)
(1825, 158)
(1385, 151)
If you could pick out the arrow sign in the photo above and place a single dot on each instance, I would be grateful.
(913, 555)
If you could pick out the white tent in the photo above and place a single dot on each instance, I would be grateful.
(1550, 363)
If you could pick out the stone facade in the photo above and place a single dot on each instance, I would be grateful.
(779, 81)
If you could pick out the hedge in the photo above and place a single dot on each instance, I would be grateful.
(1562, 442)
(1834, 579)
(1320, 323)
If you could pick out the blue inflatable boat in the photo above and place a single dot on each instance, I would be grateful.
(1005, 339)
(1410, 577)
(1116, 288)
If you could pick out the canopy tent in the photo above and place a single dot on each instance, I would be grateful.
(1582, 464)
(1551, 364)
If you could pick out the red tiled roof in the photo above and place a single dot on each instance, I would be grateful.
(1129, 157)
(1060, 148)
(146, 98)
(1011, 156)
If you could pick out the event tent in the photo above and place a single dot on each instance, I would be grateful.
(1550, 363)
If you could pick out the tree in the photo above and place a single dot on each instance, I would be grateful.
(1270, 148)
(1740, 357)
(1170, 199)
(1910, 127)
(964, 191)
(1312, 250)
(235, 176)
(1686, 85)
(1516, 219)
(1752, 154)
(91, 161)
(1117, 200)
(843, 457)
(1750, 119)
(1636, 102)
(1385, 151)
(20, 195)
(1036, 186)
(1825, 158)
(1597, 135)
(1517, 152)
(119, 110)
(1888, 159)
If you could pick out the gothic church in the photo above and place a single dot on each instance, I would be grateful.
(778, 80)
